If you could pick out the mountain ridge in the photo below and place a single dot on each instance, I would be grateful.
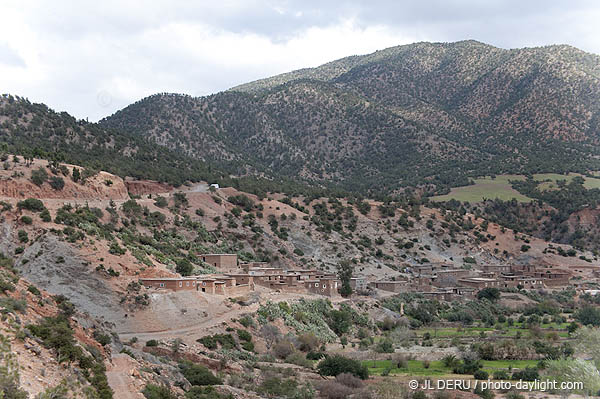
(467, 107)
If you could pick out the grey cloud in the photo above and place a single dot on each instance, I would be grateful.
(106, 40)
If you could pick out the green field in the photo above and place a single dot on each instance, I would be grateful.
(590, 182)
(486, 187)
(507, 331)
(500, 188)
(437, 368)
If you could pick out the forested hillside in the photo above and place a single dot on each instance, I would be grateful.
(425, 114)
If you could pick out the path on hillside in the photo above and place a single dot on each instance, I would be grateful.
(120, 379)
(193, 330)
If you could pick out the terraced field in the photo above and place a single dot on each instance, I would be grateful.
(499, 187)
(486, 188)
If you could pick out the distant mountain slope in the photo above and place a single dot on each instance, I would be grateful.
(422, 113)
(37, 131)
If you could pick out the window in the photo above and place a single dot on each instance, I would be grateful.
(187, 283)
(193, 283)
(181, 283)
(317, 285)
(161, 284)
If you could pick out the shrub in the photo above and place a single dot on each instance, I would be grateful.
(283, 349)
(335, 365)
(246, 321)
(334, 390)
(26, 219)
(349, 380)
(152, 342)
(34, 290)
(308, 342)
(299, 359)
(31, 204)
(480, 375)
(225, 340)
(115, 249)
(277, 387)
(501, 375)
(56, 333)
(45, 216)
(160, 202)
(57, 182)
(244, 335)
(197, 392)
(23, 236)
(152, 391)
(103, 339)
(39, 176)
(248, 346)
(527, 374)
(197, 374)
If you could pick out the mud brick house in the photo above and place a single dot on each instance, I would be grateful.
(446, 296)
(531, 282)
(207, 285)
(173, 284)
(449, 277)
(479, 282)
(423, 269)
(241, 279)
(256, 271)
(253, 265)
(496, 269)
(221, 261)
(327, 286)
(553, 277)
(392, 286)
(358, 283)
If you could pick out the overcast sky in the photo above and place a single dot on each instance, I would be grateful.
(93, 58)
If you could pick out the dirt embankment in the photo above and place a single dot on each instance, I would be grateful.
(16, 182)
(145, 187)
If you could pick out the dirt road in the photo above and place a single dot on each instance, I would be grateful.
(120, 379)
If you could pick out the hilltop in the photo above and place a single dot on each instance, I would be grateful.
(425, 114)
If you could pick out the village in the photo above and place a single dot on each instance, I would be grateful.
(440, 281)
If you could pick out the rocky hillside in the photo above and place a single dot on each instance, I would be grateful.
(34, 130)
(73, 254)
(408, 115)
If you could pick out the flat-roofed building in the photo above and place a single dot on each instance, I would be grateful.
(479, 282)
(324, 286)
(392, 286)
(170, 283)
(221, 261)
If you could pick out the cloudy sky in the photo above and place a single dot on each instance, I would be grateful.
(93, 58)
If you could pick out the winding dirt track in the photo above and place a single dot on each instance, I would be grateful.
(120, 379)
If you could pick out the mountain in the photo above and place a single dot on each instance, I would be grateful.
(428, 114)
(34, 130)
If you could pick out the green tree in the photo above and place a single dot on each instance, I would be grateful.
(336, 365)
(588, 315)
(184, 267)
(345, 270)
(489, 293)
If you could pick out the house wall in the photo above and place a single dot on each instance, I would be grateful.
(392, 286)
(172, 285)
(221, 261)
